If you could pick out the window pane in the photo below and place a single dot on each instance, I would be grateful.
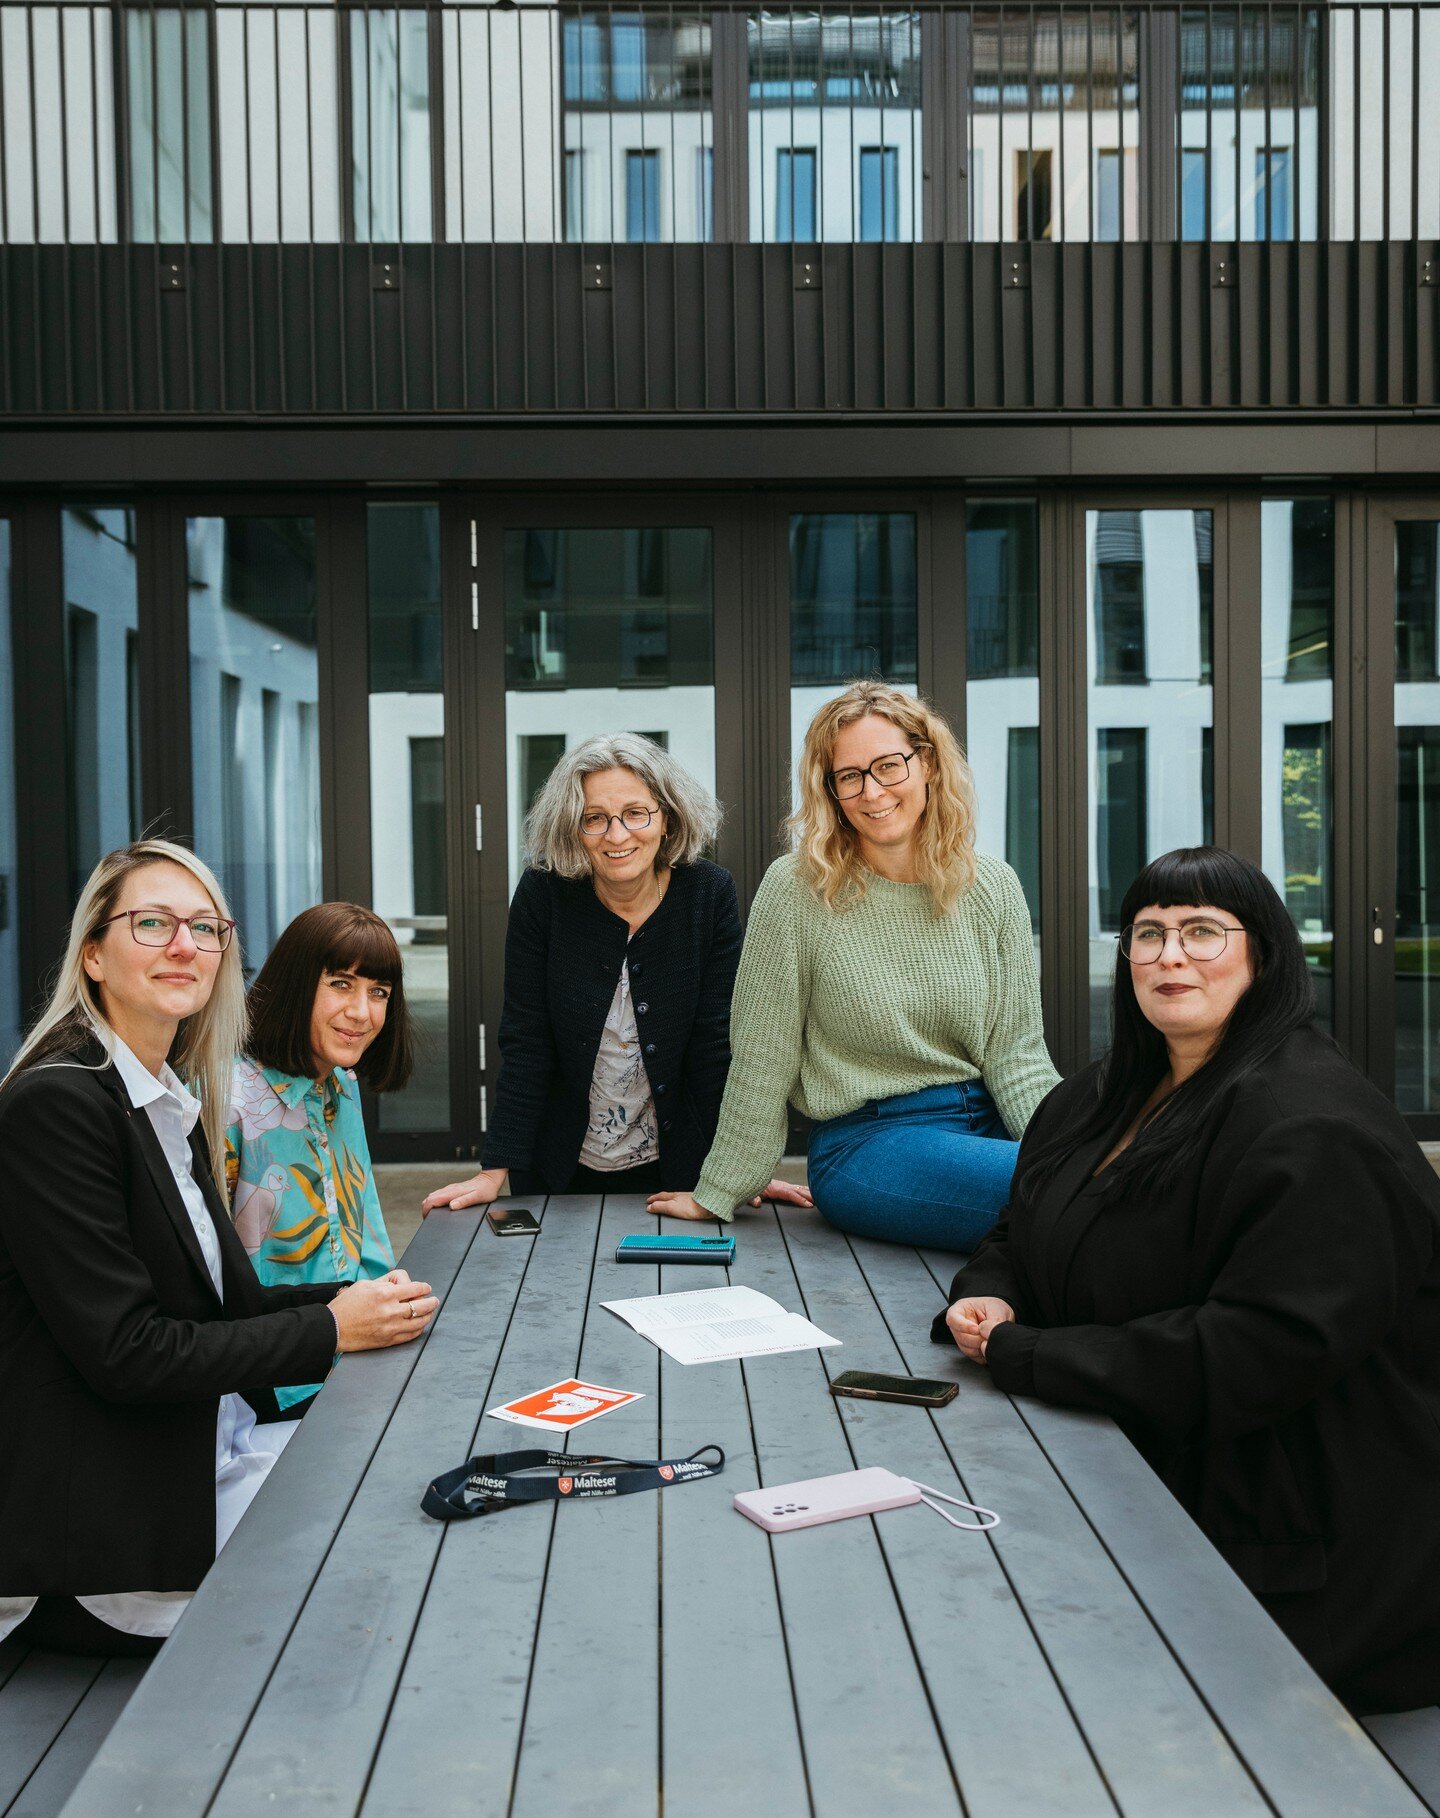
(834, 123)
(10, 1018)
(1149, 591)
(168, 79)
(254, 727)
(57, 124)
(637, 91)
(1297, 619)
(279, 109)
(1417, 819)
(407, 792)
(853, 603)
(102, 724)
(390, 124)
(1002, 696)
(606, 630)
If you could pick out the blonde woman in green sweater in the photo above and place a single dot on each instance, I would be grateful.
(887, 989)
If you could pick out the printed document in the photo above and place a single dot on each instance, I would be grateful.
(710, 1325)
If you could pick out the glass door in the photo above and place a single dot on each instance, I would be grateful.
(1402, 946)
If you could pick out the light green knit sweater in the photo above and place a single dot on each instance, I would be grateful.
(833, 1007)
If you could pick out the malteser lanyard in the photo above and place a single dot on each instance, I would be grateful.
(483, 1486)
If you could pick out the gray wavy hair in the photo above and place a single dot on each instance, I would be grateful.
(552, 827)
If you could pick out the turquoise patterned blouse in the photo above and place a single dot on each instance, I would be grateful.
(302, 1190)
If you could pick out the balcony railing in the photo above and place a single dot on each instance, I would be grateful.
(287, 165)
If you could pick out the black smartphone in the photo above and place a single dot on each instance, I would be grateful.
(508, 1221)
(918, 1391)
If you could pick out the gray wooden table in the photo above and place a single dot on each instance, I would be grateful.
(660, 1653)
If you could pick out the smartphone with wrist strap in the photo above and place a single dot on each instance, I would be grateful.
(914, 1391)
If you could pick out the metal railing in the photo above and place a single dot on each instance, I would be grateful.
(281, 166)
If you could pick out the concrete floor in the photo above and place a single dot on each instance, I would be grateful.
(402, 1186)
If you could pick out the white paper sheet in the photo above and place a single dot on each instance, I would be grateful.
(710, 1325)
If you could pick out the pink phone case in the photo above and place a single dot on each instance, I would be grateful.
(818, 1499)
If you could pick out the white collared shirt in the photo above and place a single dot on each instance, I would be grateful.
(240, 1465)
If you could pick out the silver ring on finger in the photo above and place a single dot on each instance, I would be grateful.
(410, 1308)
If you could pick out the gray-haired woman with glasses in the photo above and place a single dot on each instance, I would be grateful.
(620, 960)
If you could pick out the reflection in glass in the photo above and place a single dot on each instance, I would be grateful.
(1002, 696)
(1297, 633)
(834, 121)
(278, 164)
(254, 727)
(853, 603)
(1149, 594)
(1417, 818)
(638, 127)
(9, 947)
(1054, 132)
(101, 683)
(408, 879)
(1248, 126)
(606, 630)
(390, 123)
(167, 66)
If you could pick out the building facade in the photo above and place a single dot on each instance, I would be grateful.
(393, 396)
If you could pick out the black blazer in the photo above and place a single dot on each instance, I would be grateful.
(114, 1347)
(1268, 1334)
(563, 954)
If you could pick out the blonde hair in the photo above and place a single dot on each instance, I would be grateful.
(552, 827)
(827, 845)
(205, 1049)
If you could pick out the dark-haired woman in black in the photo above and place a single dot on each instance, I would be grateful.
(1226, 1239)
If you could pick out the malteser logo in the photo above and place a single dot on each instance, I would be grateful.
(667, 1472)
(567, 1484)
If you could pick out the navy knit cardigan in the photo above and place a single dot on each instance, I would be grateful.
(563, 954)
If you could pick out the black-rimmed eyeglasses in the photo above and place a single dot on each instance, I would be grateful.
(1142, 943)
(157, 928)
(887, 771)
(593, 824)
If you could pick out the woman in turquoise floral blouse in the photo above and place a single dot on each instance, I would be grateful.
(326, 1011)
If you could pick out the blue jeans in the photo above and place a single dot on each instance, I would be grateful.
(930, 1168)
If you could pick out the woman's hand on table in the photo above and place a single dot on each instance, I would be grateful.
(676, 1205)
(784, 1193)
(479, 1190)
(972, 1320)
(390, 1310)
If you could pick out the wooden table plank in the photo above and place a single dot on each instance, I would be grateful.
(72, 1751)
(1158, 1746)
(316, 1727)
(36, 1703)
(247, 1606)
(1300, 1742)
(453, 1735)
(728, 1707)
(1411, 1740)
(592, 1721)
(1013, 1739)
(871, 1742)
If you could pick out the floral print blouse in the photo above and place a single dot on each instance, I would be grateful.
(302, 1189)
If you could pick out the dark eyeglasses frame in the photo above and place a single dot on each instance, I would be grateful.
(227, 928)
(869, 770)
(600, 832)
(1201, 959)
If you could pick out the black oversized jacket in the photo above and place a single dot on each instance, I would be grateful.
(563, 954)
(1268, 1334)
(115, 1348)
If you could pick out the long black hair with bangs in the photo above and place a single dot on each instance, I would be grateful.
(1279, 1000)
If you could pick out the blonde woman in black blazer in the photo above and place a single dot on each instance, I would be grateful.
(137, 1347)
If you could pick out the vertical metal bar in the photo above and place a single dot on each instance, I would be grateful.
(1355, 120)
(970, 139)
(1415, 128)
(644, 36)
(1385, 222)
(1209, 233)
(93, 16)
(402, 164)
(369, 15)
(307, 20)
(249, 208)
(1296, 132)
(61, 16)
(1267, 25)
(439, 201)
(613, 312)
(124, 182)
(459, 18)
(1061, 39)
(38, 316)
(1239, 86)
(5, 337)
(519, 18)
(279, 211)
(1030, 124)
(1090, 234)
(156, 223)
(1177, 147)
(494, 218)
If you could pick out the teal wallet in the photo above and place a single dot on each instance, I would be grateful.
(653, 1247)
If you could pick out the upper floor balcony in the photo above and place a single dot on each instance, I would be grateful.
(353, 207)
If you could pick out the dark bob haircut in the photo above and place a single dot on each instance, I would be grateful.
(332, 937)
(1279, 1000)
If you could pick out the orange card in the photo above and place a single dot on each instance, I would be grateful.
(564, 1405)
